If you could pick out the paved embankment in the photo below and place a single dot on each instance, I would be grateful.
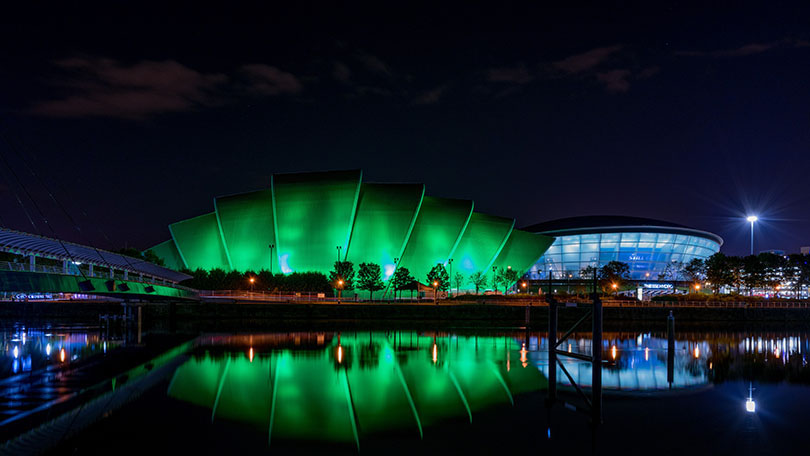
(478, 314)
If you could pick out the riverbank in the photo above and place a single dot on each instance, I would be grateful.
(457, 314)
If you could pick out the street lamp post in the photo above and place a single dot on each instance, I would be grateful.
(505, 290)
(252, 281)
(450, 263)
(435, 289)
(340, 289)
(752, 219)
(272, 246)
(338, 252)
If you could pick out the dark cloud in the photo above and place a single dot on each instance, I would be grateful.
(586, 61)
(373, 63)
(430, 96)
(342, 73)
(100, 87)
(742, 51)
(515, 75)
(269, 80)
(615, 80)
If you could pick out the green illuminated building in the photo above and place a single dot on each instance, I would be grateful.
(306, 221)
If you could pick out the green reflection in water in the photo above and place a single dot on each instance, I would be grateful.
(355, 385)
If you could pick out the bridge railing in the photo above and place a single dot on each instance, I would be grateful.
(74, 271)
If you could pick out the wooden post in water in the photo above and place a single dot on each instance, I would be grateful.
(670, 349)
(596, 354)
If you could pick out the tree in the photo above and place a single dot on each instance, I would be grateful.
(510, 276)
(718, 272)
(343, 270)
(588, 272)
(753, 273)
(369, 278)
(736, 271)
(775, 268)
(614, 273)
(695, 270)
(402, 279)
(458, 280)
(439, 274)
(478, 279)
(797, 272)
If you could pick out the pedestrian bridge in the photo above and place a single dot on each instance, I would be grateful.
(46, 265)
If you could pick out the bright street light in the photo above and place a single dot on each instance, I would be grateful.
(752, 219)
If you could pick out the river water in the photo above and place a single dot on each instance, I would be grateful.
(730, 391)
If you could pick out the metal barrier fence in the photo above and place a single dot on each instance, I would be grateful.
(74, 271)
(310, 297)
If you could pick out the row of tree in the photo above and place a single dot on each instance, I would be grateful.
(218, 279)
(343, 276)
(369, 278)
(763, 271)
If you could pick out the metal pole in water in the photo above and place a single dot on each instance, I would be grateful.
(596, 349)
(552, 346)
(670, 349)
(140, 320)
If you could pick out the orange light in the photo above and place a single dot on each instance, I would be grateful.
(697, 286)
(615, 286)
(697, 352)
(340, 354)
(523, 353)
(340, 282)
(435, 353)
(523, 284)
(613, 352)
(435, 283)
(252, 280)
(250, 354)
(62, 355)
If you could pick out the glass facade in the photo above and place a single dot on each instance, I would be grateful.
(644, 252)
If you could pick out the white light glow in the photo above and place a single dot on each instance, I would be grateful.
(752, 218)
(750, 406)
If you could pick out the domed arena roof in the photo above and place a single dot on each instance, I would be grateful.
(614, 223)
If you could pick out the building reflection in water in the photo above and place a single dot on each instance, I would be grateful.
(336, 387)
(23, 349)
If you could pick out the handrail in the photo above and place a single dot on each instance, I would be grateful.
(73, 271)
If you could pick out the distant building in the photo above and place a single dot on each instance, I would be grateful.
(774, 251)
(646, 245)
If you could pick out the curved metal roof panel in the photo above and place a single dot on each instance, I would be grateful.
(20, 242)
(614, 223)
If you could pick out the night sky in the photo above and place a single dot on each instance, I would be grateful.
(136, 115)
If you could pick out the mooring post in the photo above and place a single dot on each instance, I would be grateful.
(140, 322)
(552, 345)
(670, 349)
(596, 349)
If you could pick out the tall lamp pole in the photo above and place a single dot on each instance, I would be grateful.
(752, 219)
(272, 246)
(450, 262)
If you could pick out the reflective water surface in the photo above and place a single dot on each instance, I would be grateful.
(724, 392)
(24, 349)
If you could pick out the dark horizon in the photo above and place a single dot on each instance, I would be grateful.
(137, 116)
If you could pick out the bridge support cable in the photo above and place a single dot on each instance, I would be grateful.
(36, 206)
(61, 206)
